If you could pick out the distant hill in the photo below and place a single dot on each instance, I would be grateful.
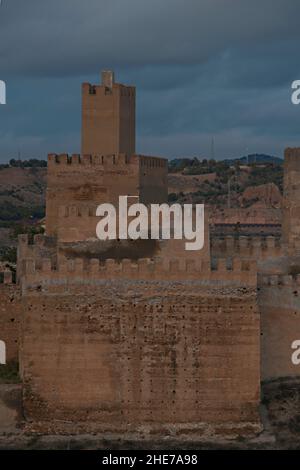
(174, 163)
(22, 194)
(254, 158)
(203, 165)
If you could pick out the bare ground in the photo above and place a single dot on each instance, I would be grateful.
(280, 411)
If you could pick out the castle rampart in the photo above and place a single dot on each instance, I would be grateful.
(84, 271)
(256, 248)
(162, 355)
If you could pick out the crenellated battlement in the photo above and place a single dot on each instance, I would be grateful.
(261, 247)
(88, 270)
(152, 162)
(292, 154)
(73, 210)
(77, 159)
(38, 248)
(38, 240)
(88, 89)
(104, 160)
(279, 280)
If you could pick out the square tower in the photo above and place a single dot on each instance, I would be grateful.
(108, 118)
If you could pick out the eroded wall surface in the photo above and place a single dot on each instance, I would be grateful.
(151, 353)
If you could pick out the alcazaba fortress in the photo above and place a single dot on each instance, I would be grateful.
(143, 336)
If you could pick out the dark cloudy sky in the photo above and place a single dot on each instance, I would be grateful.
(202, 68)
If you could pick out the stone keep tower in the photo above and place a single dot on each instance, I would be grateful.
(291, 201)
(108, 118)
(108, 166)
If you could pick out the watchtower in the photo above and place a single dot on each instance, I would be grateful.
(108, 118)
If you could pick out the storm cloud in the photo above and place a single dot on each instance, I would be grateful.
(202, 68)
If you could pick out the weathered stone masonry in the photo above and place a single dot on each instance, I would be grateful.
(144, 352)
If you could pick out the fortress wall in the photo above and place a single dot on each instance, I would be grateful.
(91, 180)
(88, 180)
(85, 271)
(76, 223)
(10, 314)
(279, 304)
(41, 248)
(144, 353)
(77, 233)
(247, 247)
